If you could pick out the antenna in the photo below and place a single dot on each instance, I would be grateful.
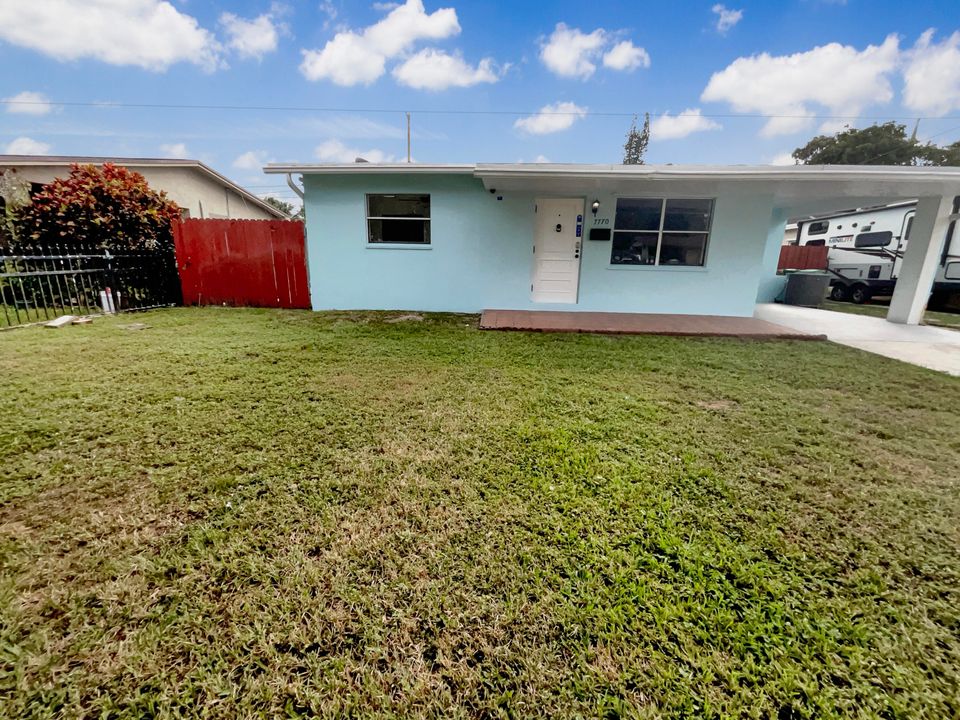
(915, 128)
(408, 137)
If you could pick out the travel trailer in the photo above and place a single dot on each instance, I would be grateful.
(867, 247)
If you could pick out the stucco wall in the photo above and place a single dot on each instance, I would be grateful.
(481, 253)
(771, 284)
(188, 187)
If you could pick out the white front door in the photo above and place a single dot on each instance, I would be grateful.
(556, 250)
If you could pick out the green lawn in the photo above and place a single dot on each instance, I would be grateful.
(930, 317)
(246, 513)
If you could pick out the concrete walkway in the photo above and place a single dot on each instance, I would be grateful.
(930, 347)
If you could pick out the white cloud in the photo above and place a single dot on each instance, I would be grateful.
(726, 18)
(359, 57)
(330, 11)
(551, 118)
(784, 158)
(932, 75)
(346, 60)
(433, 69)
(541, 159)
(251, 160)
(674, 127)
(569, 52)
(334, 151)
(26, 146)
(626, 56)
(251, 38)
(175, 150)
(28, 103)
(151, 34)
(839, 77)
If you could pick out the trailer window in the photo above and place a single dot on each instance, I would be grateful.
(818, 228)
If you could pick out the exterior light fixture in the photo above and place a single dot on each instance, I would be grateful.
(595, 206)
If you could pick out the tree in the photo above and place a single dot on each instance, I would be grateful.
(949, 155)
(285, 207)
(886, 144)
(281, 205)
(109, 207)
(14, 196)
(637, 140)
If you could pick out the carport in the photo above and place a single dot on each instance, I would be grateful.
(835, 188)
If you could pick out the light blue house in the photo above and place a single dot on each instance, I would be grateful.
(615, 238)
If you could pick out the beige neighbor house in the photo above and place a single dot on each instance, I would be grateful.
(201, 191)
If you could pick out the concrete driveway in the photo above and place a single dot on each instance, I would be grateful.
(930, 347)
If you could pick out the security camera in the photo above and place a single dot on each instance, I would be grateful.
(493, 191)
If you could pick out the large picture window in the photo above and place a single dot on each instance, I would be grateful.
(658, 231)
(398, 219)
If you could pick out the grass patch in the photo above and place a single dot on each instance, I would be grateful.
(930, 317)
(239, 513)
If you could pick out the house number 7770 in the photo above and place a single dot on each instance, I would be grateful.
(601, 221)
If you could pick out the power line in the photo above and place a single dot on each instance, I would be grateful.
(434, 111)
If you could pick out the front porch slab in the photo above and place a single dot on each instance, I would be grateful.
(640, 324)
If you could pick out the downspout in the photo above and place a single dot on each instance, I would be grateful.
(293, 186)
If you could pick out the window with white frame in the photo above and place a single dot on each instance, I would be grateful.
(661, 231)
(398, 219)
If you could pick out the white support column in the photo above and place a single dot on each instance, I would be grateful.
(920, 260)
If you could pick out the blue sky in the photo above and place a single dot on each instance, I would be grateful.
(737, 82)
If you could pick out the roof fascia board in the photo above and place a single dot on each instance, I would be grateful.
(745, 173)
(369, 169)
(805, 173)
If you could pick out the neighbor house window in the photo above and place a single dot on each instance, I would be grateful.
(400, 219)
(657, 231)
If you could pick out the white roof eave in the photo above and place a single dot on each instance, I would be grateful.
(813, 173)
(792, 186)
(363, 168)
(882, 173)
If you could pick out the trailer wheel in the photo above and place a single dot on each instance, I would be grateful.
(860, 294)
(839, 292)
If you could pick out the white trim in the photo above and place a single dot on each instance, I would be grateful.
(654, 172)
(369, 169)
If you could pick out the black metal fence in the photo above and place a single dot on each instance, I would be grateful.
(39, 283)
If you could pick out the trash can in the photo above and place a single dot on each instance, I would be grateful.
(807, 288)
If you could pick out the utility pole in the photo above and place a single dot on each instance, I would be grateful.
(408, 137)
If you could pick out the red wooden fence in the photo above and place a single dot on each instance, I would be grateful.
(259, 263)
(803, 257)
